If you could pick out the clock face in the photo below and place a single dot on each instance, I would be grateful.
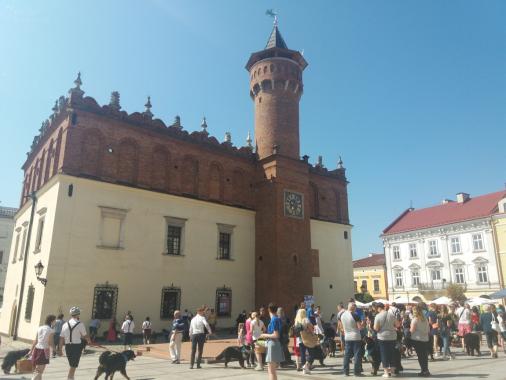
(294, 204)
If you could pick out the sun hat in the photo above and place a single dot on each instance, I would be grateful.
(75, 311)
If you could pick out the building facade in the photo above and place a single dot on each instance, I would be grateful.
(452, 243)
(370, 273)
(133, 214)
(6, 231)
(499, 230)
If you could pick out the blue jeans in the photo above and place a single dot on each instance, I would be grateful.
(446, 343)
(387, 348)
(353, 348)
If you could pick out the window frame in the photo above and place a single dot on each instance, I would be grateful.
(413, 272)
(458, 272)
(219, 293)
(105, 288)
(169, 314)
(455, 242)
(480, 273)
(225, 229)
(433, 276)
(398, 276)
(30, 297)
(480, 240)
(112, 213)
(16, 245)
(376, 286)
(436, 248)
(174, 222)
(396, 253)
(413, 248)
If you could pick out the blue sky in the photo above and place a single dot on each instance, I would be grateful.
(412, 94)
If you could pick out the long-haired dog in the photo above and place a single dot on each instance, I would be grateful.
(11, 358)
(240, 354)
(113, 362)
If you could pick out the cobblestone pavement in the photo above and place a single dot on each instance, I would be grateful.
(151, 367)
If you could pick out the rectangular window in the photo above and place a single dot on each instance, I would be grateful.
(224, 302)
(435, 275)
(376, 286)
(355, 284)
(174, 240)
(23, 245)
(112, 227)
(16, 246)
(459, 275)
(433, 251)
(477, 242)
(224, 250)
(455, 244)
(412, 251)
(1, 257)
(105, 299)
(364, 285)
(40, 231)
(415, 278)
(482, 274)
(29, 303)
(398, 280)
(171, 301)
(397, 252)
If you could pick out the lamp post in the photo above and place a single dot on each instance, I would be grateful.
(39, 267)
(33, 197)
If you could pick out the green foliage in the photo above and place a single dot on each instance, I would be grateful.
(455, 292)
(364, 297)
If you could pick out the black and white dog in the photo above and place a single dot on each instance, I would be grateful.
(112, 362)
(11, 358)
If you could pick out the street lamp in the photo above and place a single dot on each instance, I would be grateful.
(39, 267)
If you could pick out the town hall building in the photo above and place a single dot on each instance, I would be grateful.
(120, 211)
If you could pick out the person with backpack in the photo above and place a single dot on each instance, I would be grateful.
(74, 336)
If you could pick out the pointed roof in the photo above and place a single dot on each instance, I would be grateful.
(276, 40)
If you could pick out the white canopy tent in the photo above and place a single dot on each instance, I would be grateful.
(478, 301)
(442, 301)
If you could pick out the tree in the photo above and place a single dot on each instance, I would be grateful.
(455, 292)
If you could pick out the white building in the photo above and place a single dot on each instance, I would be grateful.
(6, 229)
(454, 242)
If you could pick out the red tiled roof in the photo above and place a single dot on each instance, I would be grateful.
(373, 260)
(452, 212)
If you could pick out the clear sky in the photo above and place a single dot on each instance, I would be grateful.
(412, 94)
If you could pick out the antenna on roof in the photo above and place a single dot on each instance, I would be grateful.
(411, 204)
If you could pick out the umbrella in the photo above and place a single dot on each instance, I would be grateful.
(402, 300)
(442, 301)
(478, 301)
(499, 294)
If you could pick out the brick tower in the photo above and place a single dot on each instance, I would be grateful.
(283, 270)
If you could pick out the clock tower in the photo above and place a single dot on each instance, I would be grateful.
(283, 265)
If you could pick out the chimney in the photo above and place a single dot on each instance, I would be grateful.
(370, 254)
(446, 201)
(462, 197)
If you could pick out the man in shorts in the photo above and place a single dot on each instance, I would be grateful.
(73, 334)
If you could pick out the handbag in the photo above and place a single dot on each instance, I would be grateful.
(495, 325)
(309, 339)
(24, 366)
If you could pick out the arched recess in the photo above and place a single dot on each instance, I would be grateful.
(314, 201)
(240, 190)
(56, 154)
(91, 153)
(42, 169)
(215, 191)
(128, 161)
(160, 167)
(47, 166)
(189, 176)
(339, 209)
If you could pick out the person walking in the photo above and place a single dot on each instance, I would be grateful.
(420, 330)
(94, 326)
(445, 326)
(352, 325)
(274, 354)
(464, 315)
(386, 324)
(112, 332)
(127, 328)
(490, 326)
(176, 337)
(58, 324)
(146, 330)
(301, 324)
(40, 351)
(198, 327)
(249, 338)
(284, 339)
(257, 328)
(74, 336)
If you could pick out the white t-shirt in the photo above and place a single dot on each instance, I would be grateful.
(43, 337)
(128, 326)
(502, 323)
(256, 328)
(146, 325)
(464, 315)
(351, 330)
(77, 332)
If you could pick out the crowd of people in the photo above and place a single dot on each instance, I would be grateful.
(381, 334)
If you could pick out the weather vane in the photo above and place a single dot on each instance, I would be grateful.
(272, 13)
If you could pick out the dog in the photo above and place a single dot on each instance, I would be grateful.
(235, 353)
(112, 362)
(11, 358)
(373, 354)
(472, 343)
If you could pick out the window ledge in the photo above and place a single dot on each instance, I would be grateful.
(397, 260)
(36, 251)
(457, 253)
(434, 256)
(110, 247)
(172, 254)
(479, 250)
(224, 259)
(414, 258)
